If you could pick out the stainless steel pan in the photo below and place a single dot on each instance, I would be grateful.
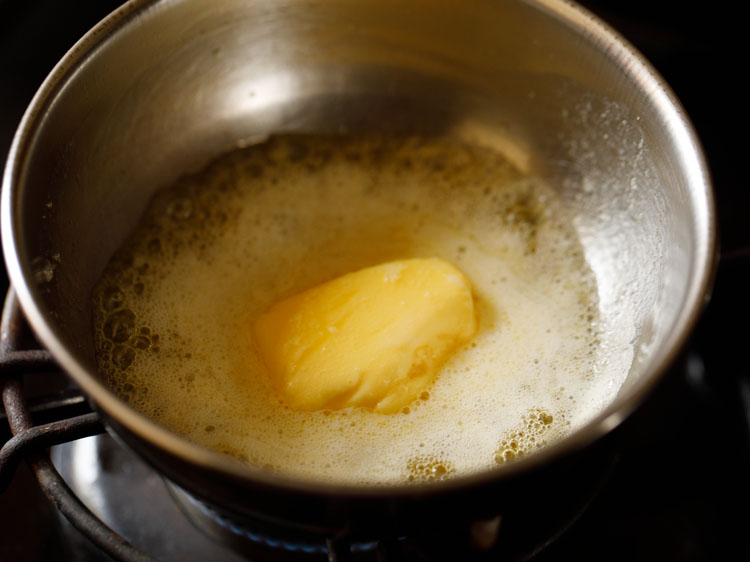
(161, 87)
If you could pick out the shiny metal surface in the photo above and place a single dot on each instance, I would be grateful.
(159, 88)
(132, 499)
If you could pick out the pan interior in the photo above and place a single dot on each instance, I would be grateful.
(161, 92)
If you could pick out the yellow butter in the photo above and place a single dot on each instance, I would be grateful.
(374, 338)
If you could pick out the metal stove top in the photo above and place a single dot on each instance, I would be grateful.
(675, 494)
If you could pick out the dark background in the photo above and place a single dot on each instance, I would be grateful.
(680, 492)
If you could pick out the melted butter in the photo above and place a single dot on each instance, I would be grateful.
(373, 338)
(264, 223)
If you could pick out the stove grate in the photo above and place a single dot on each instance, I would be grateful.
(30, 441)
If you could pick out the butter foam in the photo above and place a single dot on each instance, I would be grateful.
(265, 222)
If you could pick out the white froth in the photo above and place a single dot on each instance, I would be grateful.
(175, 307)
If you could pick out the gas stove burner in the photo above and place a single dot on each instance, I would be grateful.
(133, 500)
(246, 536)
(171, 524)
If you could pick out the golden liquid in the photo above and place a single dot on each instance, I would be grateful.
(175, 305)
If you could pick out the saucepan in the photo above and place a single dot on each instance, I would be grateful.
(160, 87)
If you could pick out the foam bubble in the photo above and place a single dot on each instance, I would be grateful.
(119, 325)
(175, 305)
(428, 468)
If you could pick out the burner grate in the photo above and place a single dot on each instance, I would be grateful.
(30, 441)
(239, 529)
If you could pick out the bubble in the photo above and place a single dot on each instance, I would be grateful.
(507, 455)
(140, 342)
(180, 209)
(119, 326)
(429, 469)
(44, 269)
(112, 299)
(123, 356)
(526, 437)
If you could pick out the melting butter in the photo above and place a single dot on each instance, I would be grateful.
(373, 338)
(220, 248)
